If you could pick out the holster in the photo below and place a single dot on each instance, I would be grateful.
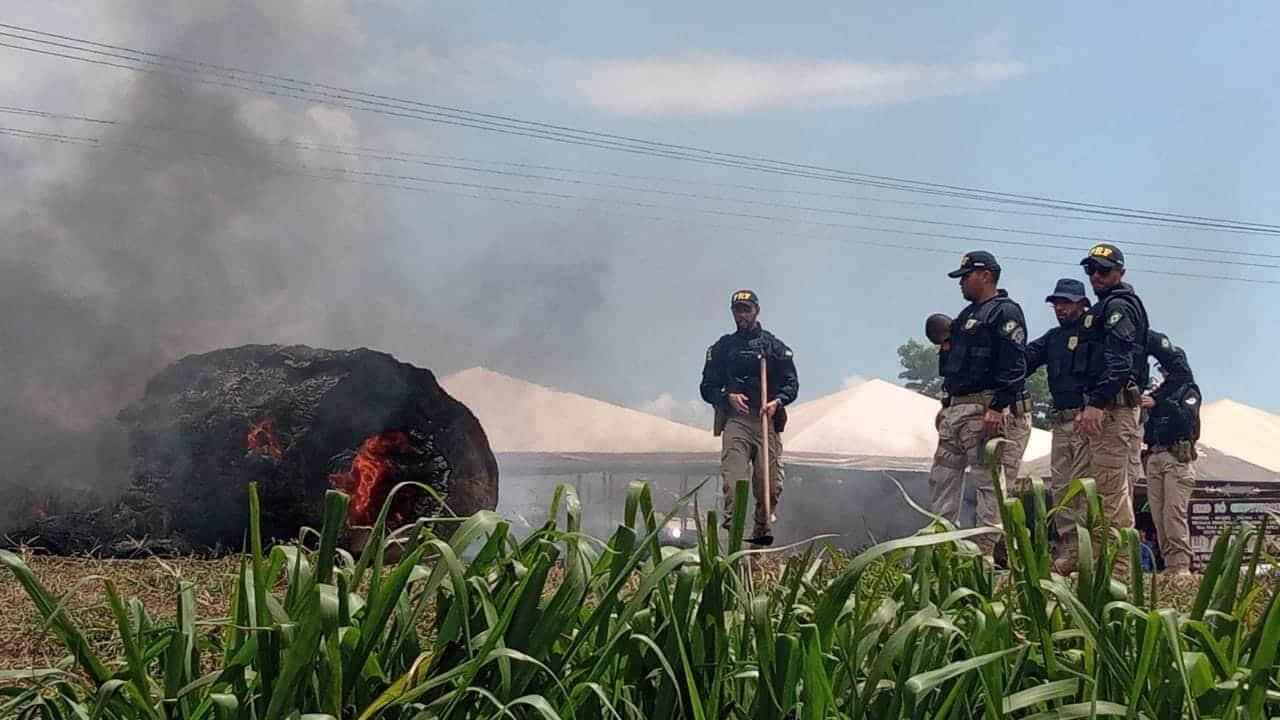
(1131, 396)
(1184, 451)
(722, 418)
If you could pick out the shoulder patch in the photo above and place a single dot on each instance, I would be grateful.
(1164, 343)
(1015, 331)
(1072, 342)
(713, 347)
(1088, 321)
(1113, 319)
(968, 324)
(788, 353)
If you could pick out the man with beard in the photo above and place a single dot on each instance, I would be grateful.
(984, 373)
(731, 384)
(1065, 352)
(1118, 323)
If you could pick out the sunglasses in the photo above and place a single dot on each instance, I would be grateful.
(1096, 269)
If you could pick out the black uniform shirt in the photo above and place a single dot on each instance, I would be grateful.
(1118, 322)
(988, 351)
(1066, 351)
(1176, 414)
(733, 366)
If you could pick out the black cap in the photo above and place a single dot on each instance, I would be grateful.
(744, 297)
(1104, 254)
(1070, 290)
(976, 260)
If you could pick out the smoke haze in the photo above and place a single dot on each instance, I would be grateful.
(159, 244)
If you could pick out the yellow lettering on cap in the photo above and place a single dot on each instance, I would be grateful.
(742, 296)
(1101, 251)
(964, 261)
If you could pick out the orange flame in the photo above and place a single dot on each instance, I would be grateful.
(367, 482)
(262, 440)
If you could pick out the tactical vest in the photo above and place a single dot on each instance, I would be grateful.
(1069, 357)
(744, 366)
(1140, 373)
(1175, 418)
(973, 346)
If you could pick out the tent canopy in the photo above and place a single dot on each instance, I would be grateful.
(878, 422)
(523, 417)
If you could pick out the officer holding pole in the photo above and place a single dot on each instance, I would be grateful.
(750, 377)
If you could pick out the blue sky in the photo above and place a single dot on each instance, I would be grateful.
(1167, 110)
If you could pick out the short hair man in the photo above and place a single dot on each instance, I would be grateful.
(984, 374)
(731, 384)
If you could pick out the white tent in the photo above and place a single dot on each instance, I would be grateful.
(522, 417)
(842, 453)
(875, 425)
(1243, 431)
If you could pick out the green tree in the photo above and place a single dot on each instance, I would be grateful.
(920, 371)
(920, 368)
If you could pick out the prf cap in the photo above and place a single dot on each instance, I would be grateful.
(744, 297)
(1104, 254)
(976, 260)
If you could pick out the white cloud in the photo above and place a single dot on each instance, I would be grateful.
(694, 82)
(704, 82)
(690, 412)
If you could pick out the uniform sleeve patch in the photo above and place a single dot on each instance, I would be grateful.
(709, 353)
(1015, 331)
(1088, 321)
(788, 353)
(1113, 319)
(1164, 343)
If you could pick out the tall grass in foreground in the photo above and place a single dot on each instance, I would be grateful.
(562, 625)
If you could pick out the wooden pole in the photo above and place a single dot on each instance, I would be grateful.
(764, 436)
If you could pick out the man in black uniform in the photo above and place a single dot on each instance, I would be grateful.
(984, 373)
(1171, 433)
(1118, 323)
(731, 384)
(1065, 350)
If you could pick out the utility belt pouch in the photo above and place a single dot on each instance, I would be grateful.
(1022, 406)
(1184, 451)
(1132, 396)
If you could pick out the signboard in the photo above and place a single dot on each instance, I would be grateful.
(1212, 510)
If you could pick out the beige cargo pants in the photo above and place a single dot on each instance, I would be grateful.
(1169, 486)
(1068, 460)
(1110, 465)
(740, 458)
(960, 447)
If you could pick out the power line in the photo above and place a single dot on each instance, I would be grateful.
(395, 156)
(548, 131)
(399, 182)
